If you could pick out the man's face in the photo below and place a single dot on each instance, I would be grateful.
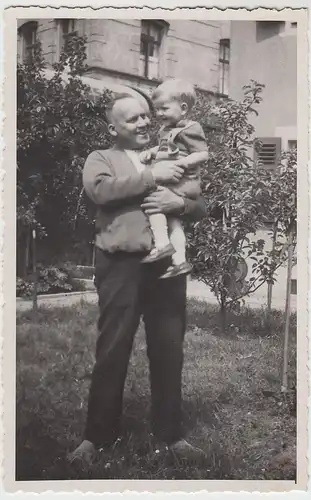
(130, 123)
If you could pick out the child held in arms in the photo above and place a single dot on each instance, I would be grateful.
(182, 142)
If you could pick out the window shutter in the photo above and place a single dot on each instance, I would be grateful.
(268, 153)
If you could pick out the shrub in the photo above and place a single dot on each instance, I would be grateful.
(51, 280)
(58, 124)
(23, 288)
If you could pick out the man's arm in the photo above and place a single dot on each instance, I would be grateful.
(103, 188)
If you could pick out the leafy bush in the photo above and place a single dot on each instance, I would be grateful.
(240, 197)
(58, 124)
(84, 272)
(23, 287)
(51, 280)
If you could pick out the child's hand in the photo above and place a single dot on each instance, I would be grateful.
(145, 157)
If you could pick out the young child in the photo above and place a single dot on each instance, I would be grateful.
(183, 142)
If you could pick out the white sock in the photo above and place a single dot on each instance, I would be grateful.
(158, 224)
(178, 240)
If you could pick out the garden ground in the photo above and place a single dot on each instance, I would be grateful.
(233, 407)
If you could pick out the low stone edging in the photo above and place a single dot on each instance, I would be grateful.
(54, 295)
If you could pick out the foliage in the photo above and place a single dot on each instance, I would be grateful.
(240, 197)
(51, 279)
(58, 124)
(24, 287)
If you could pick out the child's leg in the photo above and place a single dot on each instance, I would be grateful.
(162, 245)
(178, 240)
(158, 224)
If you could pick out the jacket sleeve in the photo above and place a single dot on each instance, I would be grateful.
(193, 138)
(104, 188)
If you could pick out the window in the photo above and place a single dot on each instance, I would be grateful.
(224, 60)
(150, 43)
(268, 153)
(269, 29)
(28, 38)
(293, 25)
(292, 144)
(64, 28)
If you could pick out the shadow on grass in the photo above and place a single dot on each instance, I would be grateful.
(35, 450)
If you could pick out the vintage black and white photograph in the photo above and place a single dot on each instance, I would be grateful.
(156, 247)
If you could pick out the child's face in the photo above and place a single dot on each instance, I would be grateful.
(168, 110)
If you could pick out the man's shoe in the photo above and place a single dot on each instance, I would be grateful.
(158, 254)
(172, 271)
(85, 454)
(183, 450)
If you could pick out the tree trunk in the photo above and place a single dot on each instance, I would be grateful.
(35, 277)
(270, 285)
(93, 255)
(27, 250)
(223, 313)
(287, 313)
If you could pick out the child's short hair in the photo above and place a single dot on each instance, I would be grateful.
(177, 89)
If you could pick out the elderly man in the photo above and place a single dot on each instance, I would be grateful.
(128, 289)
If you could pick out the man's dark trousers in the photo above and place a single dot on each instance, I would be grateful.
(128, 290)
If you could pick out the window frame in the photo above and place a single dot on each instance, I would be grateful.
(291, 144)
(62, 35)
(269, 141)
(27, 49)
(148, 39)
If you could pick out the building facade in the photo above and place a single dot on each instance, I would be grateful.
(266, 51)
(217, 56)
(137, 52)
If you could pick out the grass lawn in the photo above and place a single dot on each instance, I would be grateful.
(233, 408)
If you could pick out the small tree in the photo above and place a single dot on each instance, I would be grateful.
(283, 209)
(237, 194)
(58, 124)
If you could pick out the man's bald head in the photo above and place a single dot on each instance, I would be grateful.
(128, 121)
(113, 105)
(122, 102)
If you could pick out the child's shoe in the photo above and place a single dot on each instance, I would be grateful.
(158, 254)
(172, 271)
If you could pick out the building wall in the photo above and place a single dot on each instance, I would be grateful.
(189, 50)
(267, 52)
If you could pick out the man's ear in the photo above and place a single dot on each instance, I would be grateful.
(112, 129)
(184, 108)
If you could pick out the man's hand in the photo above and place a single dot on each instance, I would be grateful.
(145, 157)
(182, 162)
(166, 171)
(163, 201)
